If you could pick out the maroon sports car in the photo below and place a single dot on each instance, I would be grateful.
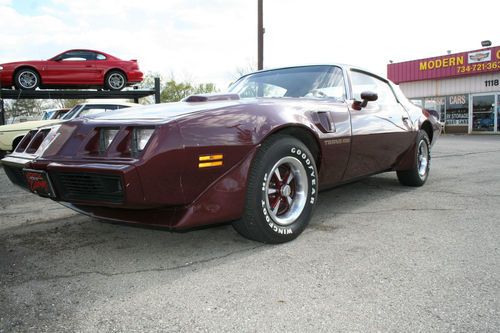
(72, 69)
(257, 155)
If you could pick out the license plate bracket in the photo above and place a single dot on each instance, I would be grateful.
(39, 183)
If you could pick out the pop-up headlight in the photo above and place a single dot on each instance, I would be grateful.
(106, 136)
(140, 138)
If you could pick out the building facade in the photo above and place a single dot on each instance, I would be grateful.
(462, 88)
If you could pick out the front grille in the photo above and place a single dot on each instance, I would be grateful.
(16, 175)
(84, 186)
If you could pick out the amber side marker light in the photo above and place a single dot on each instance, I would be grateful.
(207, 161)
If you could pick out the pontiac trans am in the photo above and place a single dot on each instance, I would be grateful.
(256, 156)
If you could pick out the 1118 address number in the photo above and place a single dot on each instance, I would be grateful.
(491, 83)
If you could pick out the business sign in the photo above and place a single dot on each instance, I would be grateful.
(477, 57)
(451, 65)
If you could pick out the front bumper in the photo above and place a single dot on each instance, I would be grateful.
(6, 78)
(109, 185)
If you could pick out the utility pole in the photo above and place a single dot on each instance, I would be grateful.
(260, 36)
(2, 108)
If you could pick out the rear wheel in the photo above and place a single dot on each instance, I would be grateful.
(281, 192)
(418, 175)
(27, 79)
(115, 80)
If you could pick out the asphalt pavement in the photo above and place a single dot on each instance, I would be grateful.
(377, 256)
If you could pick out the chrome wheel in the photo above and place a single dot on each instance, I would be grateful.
(286, 190)
(417, 175)
(116, 81)
(27, 79)
(423, 159)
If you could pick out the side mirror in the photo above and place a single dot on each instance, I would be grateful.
(366, 96)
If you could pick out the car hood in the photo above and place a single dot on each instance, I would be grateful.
(28, 125)
(31, 62)
(165, 111)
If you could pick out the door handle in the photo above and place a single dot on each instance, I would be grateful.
(404, 118)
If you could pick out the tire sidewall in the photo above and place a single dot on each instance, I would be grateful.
(108, 76)
(283, 148)
(18, 76)
(423, 137)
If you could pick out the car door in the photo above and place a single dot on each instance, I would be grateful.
(72, 67)
(380, 131)
(332, 119)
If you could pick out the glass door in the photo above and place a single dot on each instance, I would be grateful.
(483, 113)
(498, 114)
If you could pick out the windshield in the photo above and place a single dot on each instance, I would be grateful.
(308, 81)
(72, 113)
(47, 115)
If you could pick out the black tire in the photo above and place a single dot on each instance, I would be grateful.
(27, 79)
(279, 204)
(115, 80)
(417, 176)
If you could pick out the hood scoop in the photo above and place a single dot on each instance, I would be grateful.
(211, 98)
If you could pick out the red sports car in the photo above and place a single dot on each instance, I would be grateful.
(72, 69)
(257, 155)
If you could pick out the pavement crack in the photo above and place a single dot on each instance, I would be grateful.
(396, 210)
(466, 195)
(149, 270)
(466, 154)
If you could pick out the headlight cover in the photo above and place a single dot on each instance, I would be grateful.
(106, 136)
(50, 136)
(140, 138)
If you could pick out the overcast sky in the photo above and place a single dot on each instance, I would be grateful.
(207, 40)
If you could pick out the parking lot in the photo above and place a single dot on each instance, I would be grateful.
(376, 257)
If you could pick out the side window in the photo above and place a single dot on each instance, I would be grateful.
(363, 82)
(100, 56)
(77, 56)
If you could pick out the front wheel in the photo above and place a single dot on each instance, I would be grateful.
(281, 192)
(417, 175)
(115, 81)
(27, 79)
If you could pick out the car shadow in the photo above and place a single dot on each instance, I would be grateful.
(70, 246)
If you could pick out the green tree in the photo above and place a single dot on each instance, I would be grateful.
(175, 91)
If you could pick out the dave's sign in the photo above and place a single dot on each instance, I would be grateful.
(465, 63)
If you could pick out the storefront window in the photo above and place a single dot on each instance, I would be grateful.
(483, 113)
(498, 113)
(435, 105)
(457, 110)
